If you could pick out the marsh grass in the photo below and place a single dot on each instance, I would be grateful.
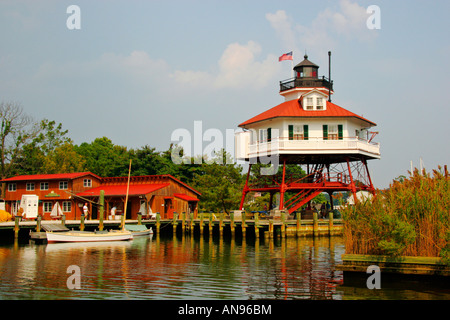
(411, 218)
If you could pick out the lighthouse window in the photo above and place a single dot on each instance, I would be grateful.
(262, 135)
(332, 132)
(319, 103)
(298, 132)
(309, 104)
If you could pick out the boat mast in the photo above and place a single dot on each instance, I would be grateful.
(126, 198)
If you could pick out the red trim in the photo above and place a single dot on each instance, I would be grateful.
(56, 176)
(185, 197)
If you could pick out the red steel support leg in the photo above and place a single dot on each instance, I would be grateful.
(371, 188)
(283, 186)
(352, 183)
(245, 191)
(271, 201)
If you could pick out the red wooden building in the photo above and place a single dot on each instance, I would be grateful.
(147, 194)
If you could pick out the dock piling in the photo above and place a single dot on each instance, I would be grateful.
(210, 223)
(174, 223)
(256, 225)
(82, 222)
(158, 222)
(201, 223)
(315, 224)
(38, 223)
(16, 226)
(243, 226)
(232, 223)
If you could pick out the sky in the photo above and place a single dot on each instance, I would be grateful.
(136, 71)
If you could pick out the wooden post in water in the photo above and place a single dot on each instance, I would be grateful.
(38, 223)
(330, 220)
(174, 223)
(158, 222)
(283, 223)
(221, 224)
(63, 219)
(191, 223)
(299, 223)
(210, 223)
(139, 216)
(315, 224)
(232, 223)
(243, 226)
(82, 222)
(16, 226)
(201, 223)
(183, 222)
(101, 209)
(271, 228)
(256, 225)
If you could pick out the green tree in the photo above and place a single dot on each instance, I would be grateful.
(63, 159)
(220, 184)
(104, 158)
(48, 138)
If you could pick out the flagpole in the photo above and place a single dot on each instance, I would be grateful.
(292, 65)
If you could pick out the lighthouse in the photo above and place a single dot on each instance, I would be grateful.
(331, 144)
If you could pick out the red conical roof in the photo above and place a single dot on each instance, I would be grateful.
(293, 108)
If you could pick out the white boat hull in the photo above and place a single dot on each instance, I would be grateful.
(86, 236)
(142, 233)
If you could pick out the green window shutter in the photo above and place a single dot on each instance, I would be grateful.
(269, 134)
(325, 132)
(305, 132)
(291, 132)
(340, 131)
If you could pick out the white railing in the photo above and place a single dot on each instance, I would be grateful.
(312, 145)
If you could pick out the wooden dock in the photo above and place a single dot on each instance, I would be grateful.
(210, 223)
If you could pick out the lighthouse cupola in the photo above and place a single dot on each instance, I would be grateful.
(306, 78)
(306, 69)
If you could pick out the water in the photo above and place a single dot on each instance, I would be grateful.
(191, 268)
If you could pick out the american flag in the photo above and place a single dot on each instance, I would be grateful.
(286, 56)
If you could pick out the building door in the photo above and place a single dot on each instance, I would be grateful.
(168, 208)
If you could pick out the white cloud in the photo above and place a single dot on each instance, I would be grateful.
(283, 25)
(237, 67)
(348, 21)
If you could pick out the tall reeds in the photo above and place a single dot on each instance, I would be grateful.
(411, 218)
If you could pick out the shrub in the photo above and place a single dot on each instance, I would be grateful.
(412, 217)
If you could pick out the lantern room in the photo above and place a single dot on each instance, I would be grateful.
(306, 78)
(306, 69)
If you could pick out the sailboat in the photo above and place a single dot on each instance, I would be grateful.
(91, 236)
(56, 211)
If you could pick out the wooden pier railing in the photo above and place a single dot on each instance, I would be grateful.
(270, 227)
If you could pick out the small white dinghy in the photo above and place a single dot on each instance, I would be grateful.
(138, 230)
(89, 236)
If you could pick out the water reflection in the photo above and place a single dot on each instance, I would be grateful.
(179, 268)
